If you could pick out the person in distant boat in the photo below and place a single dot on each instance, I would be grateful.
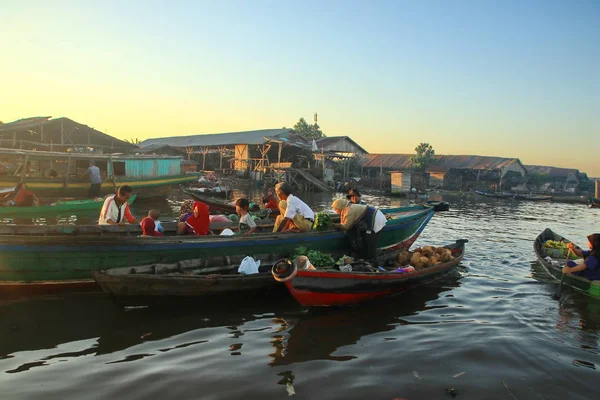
(150, 224)
(93, 172)
(589, 266)
(247, 224)
(194, 219)
(52, 174)
(115, 210)
(270, 201)
(362, 223)
(19, 170)
(295, 215)
(355, 197)
(23, 197)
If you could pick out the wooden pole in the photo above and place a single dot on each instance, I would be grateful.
(597, 191)
(24, 167)
(62, 133)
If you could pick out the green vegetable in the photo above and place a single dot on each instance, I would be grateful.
(318, 259)
(322, 221)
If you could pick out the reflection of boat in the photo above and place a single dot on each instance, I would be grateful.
(438, 205)
(581, 284)
(149, 175)
(594, 202)
(318, 334)
(66, 207)
(334, 288)
(156, 283)
(58, 256)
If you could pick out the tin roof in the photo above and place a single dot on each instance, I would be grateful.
(554, 172)
(331, 140)
(227, 139)
(442, 163)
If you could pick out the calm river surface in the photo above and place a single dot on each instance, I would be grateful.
(490, 332)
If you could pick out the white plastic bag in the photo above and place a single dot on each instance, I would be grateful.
(249, 266)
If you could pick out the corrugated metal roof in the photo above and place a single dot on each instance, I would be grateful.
(157, 148)
(552, 171)
(327, 141)
(221, 139)
(24, 123)
(443, 163)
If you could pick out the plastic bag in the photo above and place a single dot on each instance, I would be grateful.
(249, 266)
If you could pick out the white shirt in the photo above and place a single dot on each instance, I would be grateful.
(295, 206)
(110, 210)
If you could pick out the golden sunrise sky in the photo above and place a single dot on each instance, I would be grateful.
(510, 79)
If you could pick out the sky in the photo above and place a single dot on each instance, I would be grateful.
(510, 78)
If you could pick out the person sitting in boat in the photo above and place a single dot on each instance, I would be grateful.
(355, 197)
(115, 210)
(23, 197)
(362, 223)
(295, 215)
(247, 224)
(589, 266)
(270, 201)
(150, 224)
(194, 220)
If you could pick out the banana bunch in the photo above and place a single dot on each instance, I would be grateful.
(553, 244)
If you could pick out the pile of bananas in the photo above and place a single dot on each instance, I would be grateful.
(553, 244)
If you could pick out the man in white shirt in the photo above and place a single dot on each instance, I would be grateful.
(115, 209)
(295, 215)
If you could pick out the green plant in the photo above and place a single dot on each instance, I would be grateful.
(318, 259)
(322, 221)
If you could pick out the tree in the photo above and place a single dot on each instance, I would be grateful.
(423, 158)
(133, 141)
(308, 131)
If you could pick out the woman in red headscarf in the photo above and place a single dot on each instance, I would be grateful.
(590, 267)
(195, 222)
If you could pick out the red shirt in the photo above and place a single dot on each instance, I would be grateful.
(272, 203)
(22, 195)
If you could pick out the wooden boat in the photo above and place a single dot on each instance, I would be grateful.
(532, 197)
(65, 207)
(221, 206)
(156, 283)
(438, 205)
(149, 175)
(594, 202)
(496, 195)
(554, 269)
(336, 288)
(217, 192)
(58, 256)
(6, 192)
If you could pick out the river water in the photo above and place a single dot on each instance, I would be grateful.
(492, 331)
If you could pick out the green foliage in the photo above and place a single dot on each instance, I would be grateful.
(308, 131)
(423, 158)
(318, 259)
(322, 221)
(133, 141)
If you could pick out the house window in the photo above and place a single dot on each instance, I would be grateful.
(119, 168)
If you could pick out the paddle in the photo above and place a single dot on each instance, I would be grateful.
(558, 292)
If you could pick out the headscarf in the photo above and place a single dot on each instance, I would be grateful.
(595, 241)
(149, 227)
(340, 204)
(199, 224)
(186, 207)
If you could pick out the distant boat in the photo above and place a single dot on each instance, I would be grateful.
(495, 195)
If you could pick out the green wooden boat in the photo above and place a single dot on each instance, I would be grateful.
(67, 255)
(57, 208)
(579, 283)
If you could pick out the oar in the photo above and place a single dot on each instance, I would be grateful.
(558, 292)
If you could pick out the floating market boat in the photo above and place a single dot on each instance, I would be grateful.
(149, 175)
(337, 288)
(496, 195)
(52, 257)
(59, 207)
(225, 207)
(187, 279)
(438, 205)
(553, 265)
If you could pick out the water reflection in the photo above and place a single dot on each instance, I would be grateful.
(322, 332)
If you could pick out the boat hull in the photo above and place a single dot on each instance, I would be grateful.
(335, 288)
(578, 283)
(50, 258)
(65, 208)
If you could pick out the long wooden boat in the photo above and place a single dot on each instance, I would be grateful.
(532, 197)
(149, 175)
(59, 207)
(438, 205)
(554, 269)
(217, 192)
(221, 206)
(496, 195)
(594, 202)
(187, 279)
(54, 257)
(337, 288)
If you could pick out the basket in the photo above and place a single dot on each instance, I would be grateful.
(555, 253)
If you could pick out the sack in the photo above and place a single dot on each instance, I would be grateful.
(249, 266)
